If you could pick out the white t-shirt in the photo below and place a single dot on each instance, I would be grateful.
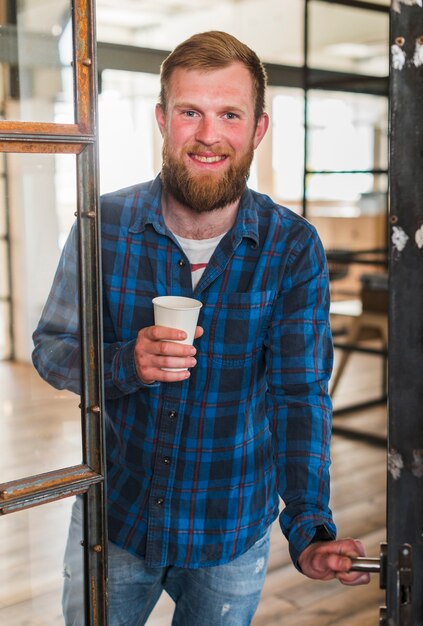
(199, 253)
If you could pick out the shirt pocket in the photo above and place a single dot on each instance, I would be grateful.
(235, 325)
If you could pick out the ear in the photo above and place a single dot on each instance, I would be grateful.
(261, 129)
(160, 117)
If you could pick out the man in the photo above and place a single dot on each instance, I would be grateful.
(197, 458)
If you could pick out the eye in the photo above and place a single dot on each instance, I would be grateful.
(189, 113)
(231, 116)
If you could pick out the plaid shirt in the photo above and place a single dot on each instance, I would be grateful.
(195, 468)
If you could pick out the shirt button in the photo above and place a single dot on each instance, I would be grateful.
(166, 460)
(159, 501)
(181, 263)
(172, 415)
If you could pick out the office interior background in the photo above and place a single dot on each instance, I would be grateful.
(325, 157)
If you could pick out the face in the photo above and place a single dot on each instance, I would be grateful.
(209, 136)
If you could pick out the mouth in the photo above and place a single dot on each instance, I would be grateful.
(208, 159)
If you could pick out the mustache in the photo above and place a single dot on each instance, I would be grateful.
(212, 150)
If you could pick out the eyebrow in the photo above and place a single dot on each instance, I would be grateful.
(226, 107)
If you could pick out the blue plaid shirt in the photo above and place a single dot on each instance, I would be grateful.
(195, 468)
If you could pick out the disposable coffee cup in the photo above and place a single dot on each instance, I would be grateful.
(177, 312)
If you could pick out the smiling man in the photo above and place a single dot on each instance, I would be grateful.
(198, 459)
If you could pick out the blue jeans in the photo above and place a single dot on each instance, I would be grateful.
(224, 595)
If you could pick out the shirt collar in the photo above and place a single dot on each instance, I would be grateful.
(148, 207)
(246, 223)
(149, 211)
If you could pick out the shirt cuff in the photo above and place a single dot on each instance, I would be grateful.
(124, 372)
(302, 536)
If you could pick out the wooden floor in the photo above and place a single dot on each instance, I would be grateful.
(40, 432)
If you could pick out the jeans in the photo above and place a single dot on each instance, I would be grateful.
(223, 595)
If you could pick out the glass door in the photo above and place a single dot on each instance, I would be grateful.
(53, 440)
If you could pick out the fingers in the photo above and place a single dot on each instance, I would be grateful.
(332, 559)
(354, 578)
(341, 567)
(161, 333)
(347, 547)
(153, 375)
(156, 349)
(333, 562)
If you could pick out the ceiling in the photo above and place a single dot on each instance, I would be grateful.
(350, 38)
(340, 37)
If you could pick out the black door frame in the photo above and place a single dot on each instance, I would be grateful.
(405, 437)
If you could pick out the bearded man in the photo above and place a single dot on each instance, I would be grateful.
(204, 440)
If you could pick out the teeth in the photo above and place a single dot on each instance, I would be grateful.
(211, 159)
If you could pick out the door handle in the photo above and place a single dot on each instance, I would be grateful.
(375, 565)
(366, 564)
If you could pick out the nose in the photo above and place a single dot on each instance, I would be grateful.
(207, 131)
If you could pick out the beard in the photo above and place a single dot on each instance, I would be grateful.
(205, 192)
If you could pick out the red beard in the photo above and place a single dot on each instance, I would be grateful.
(206, 192)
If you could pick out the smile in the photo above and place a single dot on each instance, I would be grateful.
(208, 159)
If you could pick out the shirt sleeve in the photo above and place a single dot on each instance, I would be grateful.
(56, 354)
(299, 361)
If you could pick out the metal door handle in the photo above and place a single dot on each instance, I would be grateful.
(375, 565)
(365, 564)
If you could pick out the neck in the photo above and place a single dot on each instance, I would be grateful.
(187, 223)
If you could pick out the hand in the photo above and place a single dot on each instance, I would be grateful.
(154, 350)
(325, 560)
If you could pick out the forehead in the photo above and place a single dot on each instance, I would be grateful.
(233, 81)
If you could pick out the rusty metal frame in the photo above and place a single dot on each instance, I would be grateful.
(84, 63)
(18, 495)
(89, 477)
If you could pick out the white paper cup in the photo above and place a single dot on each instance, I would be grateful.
(177, 312)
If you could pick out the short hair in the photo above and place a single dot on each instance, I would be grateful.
(213, 50)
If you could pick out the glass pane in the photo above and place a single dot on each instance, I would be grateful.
(272, 29)
(32, 549)
(356, 41)
(4, 269)
(5, 343)
(3, 221)
(36, 45)
(39, 423)
(347, 131)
